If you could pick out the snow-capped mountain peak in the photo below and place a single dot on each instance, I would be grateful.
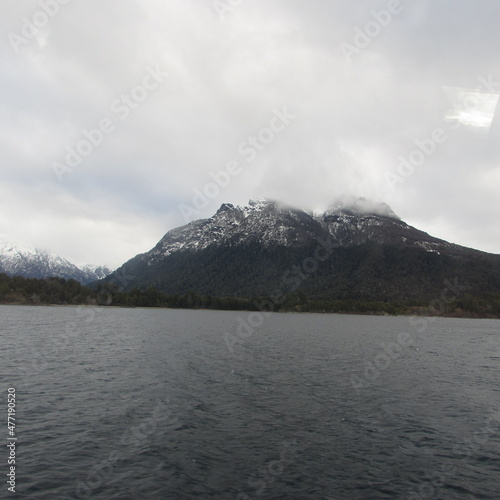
(96, 272)
(31, 262)
(252, 249)
(265, 221)
(350, 221)
(361, 206)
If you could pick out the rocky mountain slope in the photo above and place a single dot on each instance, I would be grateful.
(357, 250)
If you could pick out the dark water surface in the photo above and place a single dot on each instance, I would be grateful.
(145, 403)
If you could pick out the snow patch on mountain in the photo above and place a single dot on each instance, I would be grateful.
(268, 223)
(96, 272)
(30, 262)
(361, 206)
(263, 221)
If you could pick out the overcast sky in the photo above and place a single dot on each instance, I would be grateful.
(302, 102)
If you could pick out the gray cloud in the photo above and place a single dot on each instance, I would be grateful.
(354, 119)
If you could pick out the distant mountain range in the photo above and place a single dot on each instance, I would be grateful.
(354, 250)
(17, 260)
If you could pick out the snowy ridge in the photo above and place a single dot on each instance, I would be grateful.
(269, 223)
(260, 221)
(359, 207)
(96, 272)
(30, 262)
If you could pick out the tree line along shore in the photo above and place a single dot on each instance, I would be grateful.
(18, 290)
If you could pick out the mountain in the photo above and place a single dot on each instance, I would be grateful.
(29, 262)
(94, 273)
(354, 250)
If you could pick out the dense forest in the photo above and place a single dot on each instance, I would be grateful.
(58, 291)
(368, 272)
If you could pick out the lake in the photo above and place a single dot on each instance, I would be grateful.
(124, 404)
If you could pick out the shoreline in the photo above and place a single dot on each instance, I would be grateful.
(344, 313)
